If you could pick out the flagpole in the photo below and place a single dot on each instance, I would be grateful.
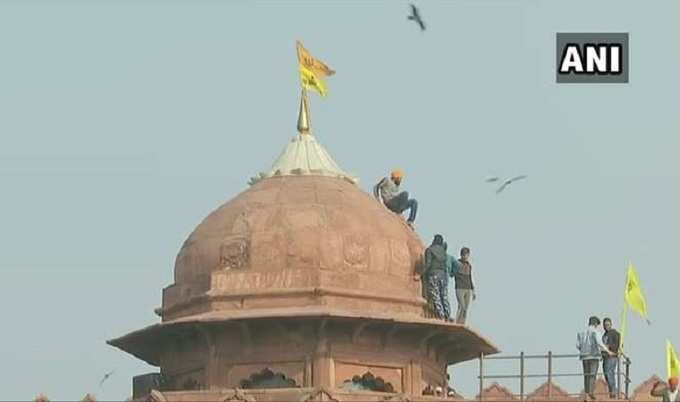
(624, 316)
(624, 325)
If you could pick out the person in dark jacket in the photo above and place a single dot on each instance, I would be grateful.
(610, 362)
(436, 278)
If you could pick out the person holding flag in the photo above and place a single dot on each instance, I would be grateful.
(610, 362)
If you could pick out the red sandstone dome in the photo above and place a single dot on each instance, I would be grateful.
(294, 241)
(303, 277)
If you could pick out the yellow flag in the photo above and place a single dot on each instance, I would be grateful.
(311, 81)
(311, 63)
(672, 361)
(633, 293)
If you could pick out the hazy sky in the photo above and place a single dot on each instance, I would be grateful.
(123, 125)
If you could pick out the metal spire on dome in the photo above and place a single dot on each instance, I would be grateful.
(303, 123)
(304, 155)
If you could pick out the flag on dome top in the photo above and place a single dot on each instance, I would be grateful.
(312, 70)
(311, 63)
(311, 81)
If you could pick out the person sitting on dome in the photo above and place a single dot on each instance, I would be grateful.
(387, 192)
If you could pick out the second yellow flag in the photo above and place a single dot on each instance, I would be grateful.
(672, 361)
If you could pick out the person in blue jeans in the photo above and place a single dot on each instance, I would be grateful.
(610, 362)
(388, 192)
(591, 349)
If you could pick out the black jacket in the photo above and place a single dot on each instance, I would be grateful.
(611, 339)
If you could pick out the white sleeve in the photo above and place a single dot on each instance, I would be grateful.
(598, 338)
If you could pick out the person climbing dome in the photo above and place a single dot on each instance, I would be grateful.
(387, 192)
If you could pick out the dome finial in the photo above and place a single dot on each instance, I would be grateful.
(303, 123)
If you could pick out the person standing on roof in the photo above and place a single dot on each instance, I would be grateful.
(387, 192)
(590, 346)
(461, 270)
(437, 281)
(610, 363)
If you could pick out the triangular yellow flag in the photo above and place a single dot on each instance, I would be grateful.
(672, 361)
(311, 81)
(311, 63)
(633, 294)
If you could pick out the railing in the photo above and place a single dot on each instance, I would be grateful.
(550, 375)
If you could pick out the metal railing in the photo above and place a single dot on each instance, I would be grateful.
(550, 375)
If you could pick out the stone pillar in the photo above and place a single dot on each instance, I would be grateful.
(323, 367)
(307, 382)
(211, 361)
(415, 378)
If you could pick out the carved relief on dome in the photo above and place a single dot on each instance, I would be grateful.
(356, 251)
(234, 253)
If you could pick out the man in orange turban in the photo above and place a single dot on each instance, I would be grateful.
(668, 393)
(387, 191)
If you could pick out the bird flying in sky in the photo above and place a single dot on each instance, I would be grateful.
(106, 377)
(492, 179)
(415, 16)
(510, 181)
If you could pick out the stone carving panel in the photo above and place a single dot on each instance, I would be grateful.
(234, 253)
(356, 251)
(247, 280)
